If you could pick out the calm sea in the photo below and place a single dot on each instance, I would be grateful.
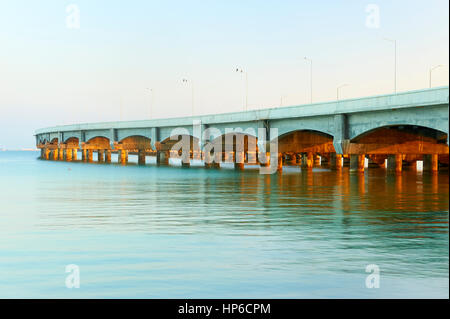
(173, 232)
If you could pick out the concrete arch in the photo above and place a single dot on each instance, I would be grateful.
(54, 140)
(431, 117)
(70, 135)
(89, 135)
(422, 131)
(134, 142)
(400, 139)
(72, 142)
(98, 143)
(170, 142)
(243, 140)
(325, 124)
(305, 141)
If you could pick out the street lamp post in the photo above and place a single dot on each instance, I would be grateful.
(337, 90)
(395, 62)
(311, 72)
(431, 70)
(192, 83)
(246, 87)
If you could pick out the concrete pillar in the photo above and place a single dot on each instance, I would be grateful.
(325, 161)
(69, 154)
(291, 159)
(280, 162)
(264, 159)
(61, 154)
(108, 156)
(357, 162)
(74, 154)
(316, 160)
(430, 162)
(229, 157)
(208, 159)
(84, 155)
(395, 162)
(335, 161)
(185, 159)
(90, 155)
(141, 157)
(100, 156)
(162, 157)
(298, 158)
(346, 161)
(252, 157)
(55, 154)
(239, 159)
(308, 160)
(123, 157)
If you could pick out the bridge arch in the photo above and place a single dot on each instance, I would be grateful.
(430, 117)
(135, 142)
(69, 136)
(98, 143)
(305, 141)
(169, 142)
(400, 139)
(72, 142)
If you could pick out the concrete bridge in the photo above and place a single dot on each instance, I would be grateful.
(392, 131)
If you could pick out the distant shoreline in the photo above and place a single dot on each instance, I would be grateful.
(20, 150)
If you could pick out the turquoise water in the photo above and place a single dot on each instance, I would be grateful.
(172, 232)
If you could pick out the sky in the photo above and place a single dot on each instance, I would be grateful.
(78, 61)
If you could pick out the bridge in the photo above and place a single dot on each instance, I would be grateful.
(393, 131)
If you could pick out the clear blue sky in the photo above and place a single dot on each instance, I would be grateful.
(52, 75)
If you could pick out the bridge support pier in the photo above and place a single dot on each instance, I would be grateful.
(61, 154)
(325, 160)
(280, 162)
(291, 159)
(84, 155)
(395, 162)
(317, 160)
(108, 156)
(69, 155)
(308, 160)
(185, 159)
(162, 157)
(123, 157)
(264, 159)
(100, 156)
(335, 161)
(141, 157)
(74, 154)
(430, 162)
(346, 161)
(90, 155)
(357, 162)
(239, 158)
(55, 154)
